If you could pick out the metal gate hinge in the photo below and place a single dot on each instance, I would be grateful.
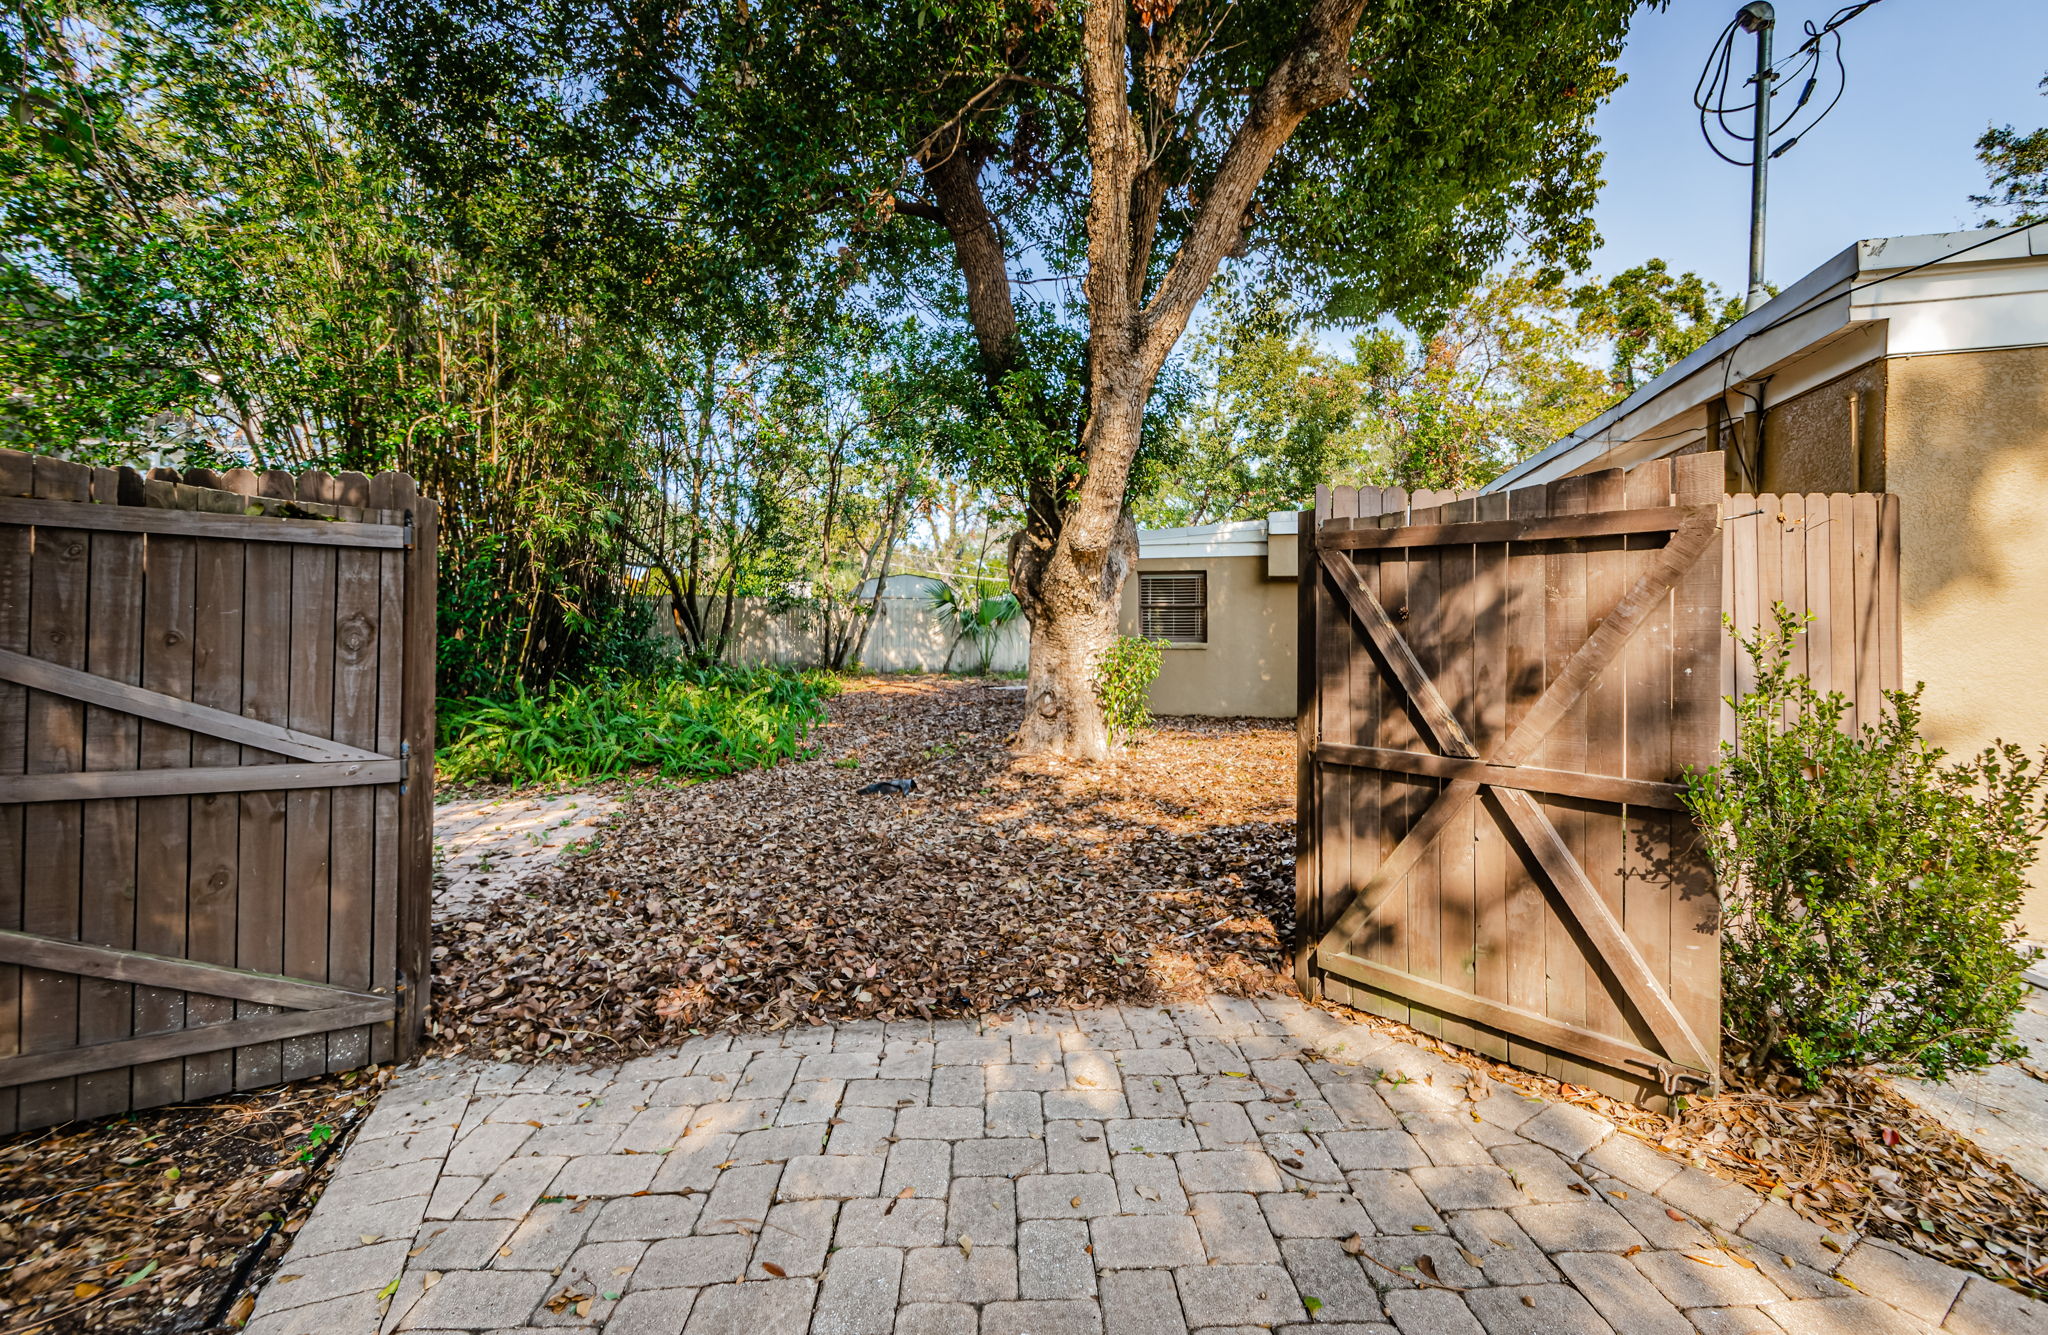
(404, 766)
(408, 530)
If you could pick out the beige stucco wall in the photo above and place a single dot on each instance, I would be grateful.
(1966, 438)
(1809, 443)
(1247, 668)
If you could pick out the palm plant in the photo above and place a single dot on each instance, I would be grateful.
(975, 617)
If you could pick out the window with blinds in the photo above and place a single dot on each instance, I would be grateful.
(1174, 606)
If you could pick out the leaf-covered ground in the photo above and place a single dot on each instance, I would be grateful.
(783, 895)
(165, 1221)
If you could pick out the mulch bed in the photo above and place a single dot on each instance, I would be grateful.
(168, 1220)
(782, 896)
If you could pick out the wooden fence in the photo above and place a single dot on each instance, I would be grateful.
(216, 779)
(1835, 555)
(1500, 696)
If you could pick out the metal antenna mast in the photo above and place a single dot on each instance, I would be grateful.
(1759, 18)
(1733, 127)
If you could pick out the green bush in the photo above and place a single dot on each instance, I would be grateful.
(1870, 888)
(1122, 678)
(493, 638)
(683, 721)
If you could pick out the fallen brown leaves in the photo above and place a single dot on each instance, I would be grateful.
(1855, 1156)
(152, 1223)
(780, 897)
(1852, 1156)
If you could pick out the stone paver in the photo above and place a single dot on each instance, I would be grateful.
(486, 846)
(2004, 1109)
(1123, 1171)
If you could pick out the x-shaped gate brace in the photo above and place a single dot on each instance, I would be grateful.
(1693, 529)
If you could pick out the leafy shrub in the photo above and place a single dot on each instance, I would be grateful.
(684, 721)
(495, 638)
(1870, 888)
(1122, 678)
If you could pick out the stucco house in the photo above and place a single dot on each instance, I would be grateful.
(1916, 365)
(1222, 596)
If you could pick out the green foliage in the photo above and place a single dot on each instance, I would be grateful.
(1506, 371)
(977, 618)
(2018, 167)
(1273, 417)
(1503, 374)
(1122, 678)
(688, 722)
(1652, 319)
(214, 248)
(812, 144)
(1871, 889)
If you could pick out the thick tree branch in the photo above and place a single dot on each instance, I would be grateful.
(1315, 73)
(954, 174)
(1161, 58)
(1114, 161)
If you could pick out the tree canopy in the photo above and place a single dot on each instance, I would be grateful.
(665, 299)
(1063, 178)
(2018, 167)
(1280, 403)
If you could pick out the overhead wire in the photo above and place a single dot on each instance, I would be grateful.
(1714, 90)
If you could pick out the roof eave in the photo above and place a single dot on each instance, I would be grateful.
(1598, 437)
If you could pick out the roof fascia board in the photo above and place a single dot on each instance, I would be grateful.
(1199, 551)
(1853, 273)
(1680, 398)
(1657, 401)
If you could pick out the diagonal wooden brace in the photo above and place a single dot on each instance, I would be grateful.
(39, 674)
(1532, 828)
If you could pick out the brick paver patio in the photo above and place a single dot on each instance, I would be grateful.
(1214, 1170)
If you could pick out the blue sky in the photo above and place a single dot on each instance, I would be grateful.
(1896, 157)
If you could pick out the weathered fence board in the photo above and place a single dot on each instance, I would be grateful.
(216, 722)
(1501, 695)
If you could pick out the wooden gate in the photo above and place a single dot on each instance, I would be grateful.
(216, 748)
(1501, 694)
(1507, 687)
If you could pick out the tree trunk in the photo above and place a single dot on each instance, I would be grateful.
(1068, 567)
(1069, 563)
(1071, 630)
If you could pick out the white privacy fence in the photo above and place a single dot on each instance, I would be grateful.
(908, 636)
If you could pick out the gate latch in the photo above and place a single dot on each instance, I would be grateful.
(1670, 1077)
(404, 766)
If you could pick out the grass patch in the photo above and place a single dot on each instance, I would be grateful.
(688, 722)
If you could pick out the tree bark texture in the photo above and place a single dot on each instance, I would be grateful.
(1077, 547)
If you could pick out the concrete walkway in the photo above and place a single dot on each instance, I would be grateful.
(1218, 1169)
(2003, 1108)
(486, 846)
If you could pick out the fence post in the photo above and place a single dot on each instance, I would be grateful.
(1308, 574)
(416, 867)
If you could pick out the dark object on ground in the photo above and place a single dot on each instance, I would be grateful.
(900, 787)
